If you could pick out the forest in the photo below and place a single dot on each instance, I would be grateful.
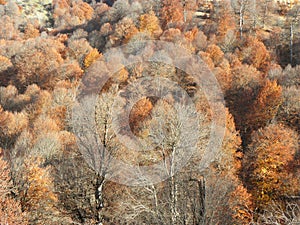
(157, 112)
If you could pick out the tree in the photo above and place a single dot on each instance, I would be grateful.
(125, 29)
(97, 142)
(266, 163)
(227, 201)
(241, 8)
(226, 21)
(215, 54)
(31, 31)
(12, 124)
(288, 112)
(168, 125)
(91, 57)
(259, 59)
(150, 23)
(38, 63)
(37, 195)
(171, 12)
(139, 113)
(10, 208)
(277, 214)
(71, 13)
(265, 107)
(240, 97)
(6, 69)
(264, 8)
(293, 20)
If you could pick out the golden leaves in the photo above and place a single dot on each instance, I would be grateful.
(150, 23)
(91, 57)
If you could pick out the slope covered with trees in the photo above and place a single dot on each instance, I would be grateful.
(53, 167)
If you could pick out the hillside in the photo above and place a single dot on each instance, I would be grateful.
(167, 112)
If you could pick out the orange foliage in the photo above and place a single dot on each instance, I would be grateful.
(122, 75)
(240, 202)
(259, 59)
(150, 23)
(10, 208)
(11, 124)
(82, 10)
(6, 67)
(139, 113)
(191, 35)
(215, 54)
(207, 59)
(231, 146)
(92, 56)
(71, 13)
(31, 32)
(4, 63)
(266, 164)
(171, 34)
(226, 22)
(240, 97)
(2, 2)
(171, 12)
(265, 107)
(124, 31)
(58, 115)
(37, 196)
(38, 66)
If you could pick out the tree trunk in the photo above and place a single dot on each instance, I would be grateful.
(99, 197)
(174, 213)
(241, 19)
(291, 42)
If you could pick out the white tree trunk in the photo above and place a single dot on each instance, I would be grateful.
(291, 42)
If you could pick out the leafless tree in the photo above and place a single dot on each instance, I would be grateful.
(277, 214)
(92, 124)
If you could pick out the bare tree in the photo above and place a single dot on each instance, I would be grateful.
(92, 123)
(241, 8)
(293, 19)
(277, 214)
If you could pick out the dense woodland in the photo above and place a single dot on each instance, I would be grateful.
(251, 47)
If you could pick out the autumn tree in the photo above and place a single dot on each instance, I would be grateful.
(259, 59)
(286, 77)
(265, 107)
(6, 69)
(227, 201)
(278, 214)
(266, 163)
(37, 195)
(226, 30)
(125, 29)
(139, 113)
(92, 56)
(10, 208)
(31, 31)
(150, 23)
(34, 67)
(71, 13)
(226, 21)
(12, 124)
(215, 54)
(288, 112)
(246, 82)
(171, 12)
